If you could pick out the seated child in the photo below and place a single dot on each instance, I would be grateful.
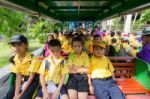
(96, 38)
(66, 46)
(113, 47)
(24, 66)
(101, 75)
(45, 50)
(87, 42)
(78, 63)
(52, 73)
(124, 48)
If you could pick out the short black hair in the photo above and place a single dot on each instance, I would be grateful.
(54, 42)
(69, 35)
(118, 32)
(95, 36)
(78, 39)
(114, 40)
(112, 34)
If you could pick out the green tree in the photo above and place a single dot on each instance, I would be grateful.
(12, 22)
(58, 26)
(40, 28)
(145, 16)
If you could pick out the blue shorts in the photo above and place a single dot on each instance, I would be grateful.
(63, 91)
(78, 82)
(107, 89)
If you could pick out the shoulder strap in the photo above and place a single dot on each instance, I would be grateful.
(11, 60)
(62, 63)
(47, 65)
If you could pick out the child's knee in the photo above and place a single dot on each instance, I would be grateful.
(64, 96)
(38, 97)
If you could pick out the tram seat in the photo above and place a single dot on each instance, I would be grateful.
(129, 73)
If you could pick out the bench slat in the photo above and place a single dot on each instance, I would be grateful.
(123, 64)
(124, 68)
(121, 58)
(123, 74)
(131, 86)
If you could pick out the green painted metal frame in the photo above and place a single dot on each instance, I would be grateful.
(79, 10)
(124, 7)
(141, 73)
(35, 7)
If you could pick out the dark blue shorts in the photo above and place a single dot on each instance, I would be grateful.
(78, 82)
(62, 91)
(107, 89)
(26, 95)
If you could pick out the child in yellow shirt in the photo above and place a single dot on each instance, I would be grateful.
(52, 73)
(101, 75)
(97, 38)
(113, 48)
(25, 67)
(87, 42)
(78, 63)
(66, 46)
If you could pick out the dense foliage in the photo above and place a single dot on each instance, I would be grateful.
(14, 22)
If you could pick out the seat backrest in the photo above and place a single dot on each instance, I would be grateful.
(142, 70)
(124, 66)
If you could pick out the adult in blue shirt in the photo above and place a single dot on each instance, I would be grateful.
(145, 52)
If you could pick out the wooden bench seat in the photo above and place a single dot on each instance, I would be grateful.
(124, 72)
(131, 86)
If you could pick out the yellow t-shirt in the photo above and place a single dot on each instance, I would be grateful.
(87, 45)
(66, 47)
(29, 64)
(126, 46)
(100, 67)
(53, 71)
(62, 39)
(108, 40)
(82, 60)
(132, 39)
(118, 39)
(134, 52)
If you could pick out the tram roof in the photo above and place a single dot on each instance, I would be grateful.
(80, 10)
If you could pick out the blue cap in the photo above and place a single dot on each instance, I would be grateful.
(18, 39)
